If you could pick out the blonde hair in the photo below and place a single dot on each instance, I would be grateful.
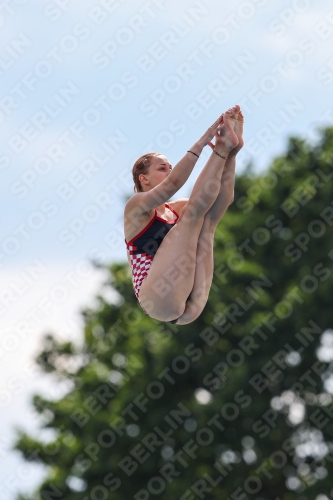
(141, 166)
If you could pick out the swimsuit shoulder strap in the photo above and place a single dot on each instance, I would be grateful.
(172, 210)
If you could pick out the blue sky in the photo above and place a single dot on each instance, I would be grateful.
(87, 87)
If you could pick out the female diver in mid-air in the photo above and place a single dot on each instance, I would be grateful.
(170, 245)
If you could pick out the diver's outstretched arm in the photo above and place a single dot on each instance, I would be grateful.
(144, 201)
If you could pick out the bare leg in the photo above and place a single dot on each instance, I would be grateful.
(226, 188)
(202, 278)
(207, 187)
(226, 194)
(205, 260)
(171, 277)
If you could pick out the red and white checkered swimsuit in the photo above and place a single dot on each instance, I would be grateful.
(143, 247)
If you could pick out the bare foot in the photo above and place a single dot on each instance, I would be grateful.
(239, 130)
(228, 139)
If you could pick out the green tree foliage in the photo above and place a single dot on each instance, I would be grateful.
(235, 405)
